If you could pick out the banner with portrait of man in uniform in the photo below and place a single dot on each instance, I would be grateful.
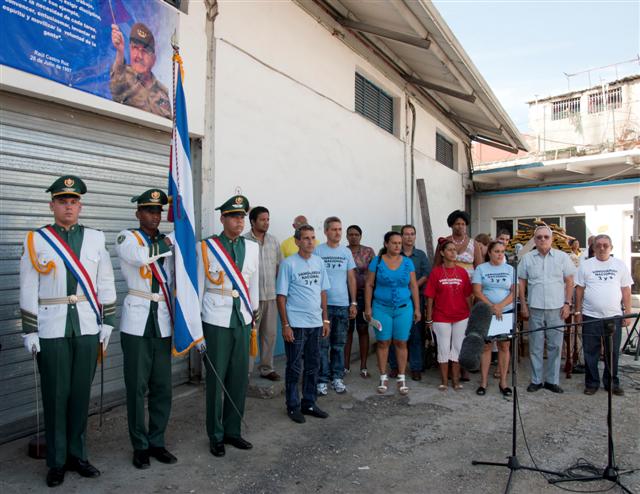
(115, 49)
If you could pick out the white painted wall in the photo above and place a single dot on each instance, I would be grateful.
(604, 207)
(586, 129)
(287, 133)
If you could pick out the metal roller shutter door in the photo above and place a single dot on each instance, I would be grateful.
(38, 142)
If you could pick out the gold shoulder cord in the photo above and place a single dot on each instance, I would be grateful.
(205, 258)
(145, 271)
(40, 268)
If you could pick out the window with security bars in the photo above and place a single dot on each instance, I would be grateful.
(444, 151)
(612, 97)
(565, 108)
(374, 104)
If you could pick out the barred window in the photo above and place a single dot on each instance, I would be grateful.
(444, 151)
(374, 104)
(565, 108)
(613, 98)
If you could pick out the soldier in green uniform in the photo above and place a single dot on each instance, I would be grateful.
(67, 302)
(227, 325)
(146, 327)
(134, 84)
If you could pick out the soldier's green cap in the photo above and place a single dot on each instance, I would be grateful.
(67, 185)
(151, 197)
(236, 204)
(142, 34)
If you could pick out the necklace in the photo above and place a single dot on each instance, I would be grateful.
(453, 239)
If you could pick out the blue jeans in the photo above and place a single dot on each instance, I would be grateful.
(592, 335)
(334, 345)
(415, 345)
(305, 347)
(539, 318)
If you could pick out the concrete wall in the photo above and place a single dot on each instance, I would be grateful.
(607, 210)
(288, 137)
(586, 129)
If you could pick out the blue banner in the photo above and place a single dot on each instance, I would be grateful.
(116, 49)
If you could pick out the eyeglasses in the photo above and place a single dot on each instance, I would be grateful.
(542, 237)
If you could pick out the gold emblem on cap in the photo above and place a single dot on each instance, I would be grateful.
(142, 33)
(68, 182)
(155, 196)
(238, 200)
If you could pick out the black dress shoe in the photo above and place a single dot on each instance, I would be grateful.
(162, 455)
(141, 458)
(55, 476)
(554, 388)
(314, 411)
(83, 467)
(617, 390)
(296, 416)
(532, 388)
(590, 391)
(217, 449)
(237, 442)
(416, 375)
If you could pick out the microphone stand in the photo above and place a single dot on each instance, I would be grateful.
(611, 472)
(512, 463)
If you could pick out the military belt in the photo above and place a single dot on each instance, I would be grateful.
(224, 293)
(154, 297)
(69, 300)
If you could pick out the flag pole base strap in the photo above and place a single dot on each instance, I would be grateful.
(37, 447)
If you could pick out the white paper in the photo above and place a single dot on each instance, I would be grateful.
(501, 328)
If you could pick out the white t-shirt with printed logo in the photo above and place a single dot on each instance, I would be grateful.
(602, 281)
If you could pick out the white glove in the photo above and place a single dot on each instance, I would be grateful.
(105, 334)
(201, 346)
(31, 341)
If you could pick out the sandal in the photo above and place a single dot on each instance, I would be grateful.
(382, 387)
(442, 387)
(402, 385)
(364, 373)
(457, 386)
(505, 391)
(481, 391)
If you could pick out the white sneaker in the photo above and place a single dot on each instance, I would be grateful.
(322, 389)
(338, 386)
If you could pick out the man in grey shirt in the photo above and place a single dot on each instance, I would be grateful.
(548, 275)
(267, 318)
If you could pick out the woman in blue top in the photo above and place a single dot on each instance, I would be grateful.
(391, 284)
(493, 285)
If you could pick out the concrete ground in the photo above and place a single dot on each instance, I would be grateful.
(369, 444)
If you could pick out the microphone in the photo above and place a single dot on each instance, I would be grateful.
(474, 339)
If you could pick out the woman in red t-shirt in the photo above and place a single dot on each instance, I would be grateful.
(448, 293)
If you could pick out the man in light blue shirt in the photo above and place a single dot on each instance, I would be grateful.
(301, 290)
(546, 276)
(340, 266)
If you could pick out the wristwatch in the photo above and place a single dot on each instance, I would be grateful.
(326, 321)
(354, 303)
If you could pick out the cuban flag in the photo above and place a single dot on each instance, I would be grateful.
(187, 329)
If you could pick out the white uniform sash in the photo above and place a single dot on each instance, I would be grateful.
(159, 274)
(74, 265)
(231, 270)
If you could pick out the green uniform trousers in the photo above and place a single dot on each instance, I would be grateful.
(147, 366)
(67, 367)
(228, 350)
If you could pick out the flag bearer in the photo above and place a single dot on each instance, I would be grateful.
(229, 281)
(146, 326)
(67, 303)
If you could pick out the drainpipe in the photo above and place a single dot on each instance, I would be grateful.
(208, 151)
